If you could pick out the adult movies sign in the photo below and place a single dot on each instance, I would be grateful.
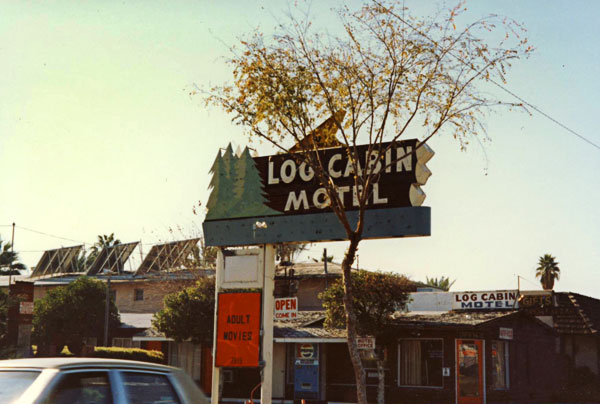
(238, 330)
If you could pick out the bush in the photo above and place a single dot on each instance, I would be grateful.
(186, 313)
(69, 315)
(134, 354)
(65, 353)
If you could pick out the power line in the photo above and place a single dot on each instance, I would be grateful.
(51, 235)
(533, 107)
(77, 241)
(530, 281)
(544, 114)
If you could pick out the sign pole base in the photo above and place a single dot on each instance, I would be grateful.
(216, 372)
(266, 389)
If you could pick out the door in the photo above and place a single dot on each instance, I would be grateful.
(206, 370)
(278, 371)
(469, 372)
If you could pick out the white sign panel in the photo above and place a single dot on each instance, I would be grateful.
(243, 269)
(26, 308)
(492, 300)
(505, 333)
(286, 308)
(365, 342)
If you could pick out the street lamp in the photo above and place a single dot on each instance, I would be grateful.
(107, 307)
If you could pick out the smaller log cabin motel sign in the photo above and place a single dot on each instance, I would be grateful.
(278, 198)
(493, 300)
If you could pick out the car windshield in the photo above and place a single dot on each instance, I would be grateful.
(14, 383)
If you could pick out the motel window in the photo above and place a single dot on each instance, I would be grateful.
(420, 362)
(138, 294)
(500, 365)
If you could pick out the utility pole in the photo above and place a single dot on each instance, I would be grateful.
(12, 250)
(107, 307)
(325, 267)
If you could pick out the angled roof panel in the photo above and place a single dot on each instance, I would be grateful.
(167, 256)
(57, 261)
(112, 258)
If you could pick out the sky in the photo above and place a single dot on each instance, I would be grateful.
(99, 134)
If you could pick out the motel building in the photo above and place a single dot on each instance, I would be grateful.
(462, 348)
(447, 347)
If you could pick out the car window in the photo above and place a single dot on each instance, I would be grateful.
(14, 383)
(149, 388)
(81, 388)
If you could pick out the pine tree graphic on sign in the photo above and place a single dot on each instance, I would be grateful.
(236, 188)
(222, 189)
(229, 162)
(247, 188)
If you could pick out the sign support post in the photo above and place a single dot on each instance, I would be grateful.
(216, 372)
(278, 199)
(266, 389)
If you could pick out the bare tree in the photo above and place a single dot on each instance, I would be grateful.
(387, 72)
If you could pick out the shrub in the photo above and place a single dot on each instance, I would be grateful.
(69, 315)
(65, 353)
(134, 354)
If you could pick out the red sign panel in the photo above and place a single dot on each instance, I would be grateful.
(238, 330)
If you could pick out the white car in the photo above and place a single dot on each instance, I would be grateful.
(94, 381)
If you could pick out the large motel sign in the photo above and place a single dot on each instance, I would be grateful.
(267, 200)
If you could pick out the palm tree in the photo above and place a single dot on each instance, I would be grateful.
(9, 260)
(80, 263)
(103, 241)
(548, 271)
(442, 283)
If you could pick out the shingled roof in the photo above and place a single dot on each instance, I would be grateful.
(307, 324)
(450, 319)
(576, 314)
